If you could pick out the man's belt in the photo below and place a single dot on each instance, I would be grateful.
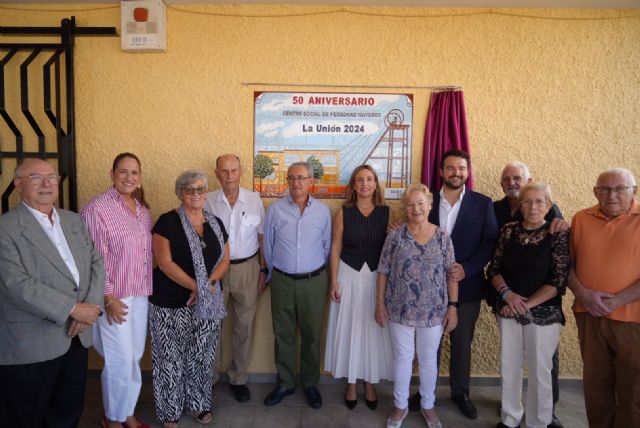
(238, 261)
(296, 276)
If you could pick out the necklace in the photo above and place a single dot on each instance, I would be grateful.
(529, 232)
(365, 211)
(200, 225)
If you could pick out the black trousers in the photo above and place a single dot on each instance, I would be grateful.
(461, 338)
(49, 394)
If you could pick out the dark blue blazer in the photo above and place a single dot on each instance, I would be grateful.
(474, 237)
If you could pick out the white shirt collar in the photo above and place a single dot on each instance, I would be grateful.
(42, 217)
(464, 190)
(221, 197)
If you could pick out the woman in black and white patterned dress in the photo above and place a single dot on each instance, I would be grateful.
(190, 246)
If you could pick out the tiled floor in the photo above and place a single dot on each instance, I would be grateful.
(293, 411)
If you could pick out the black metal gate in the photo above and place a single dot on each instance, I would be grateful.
(52, 85)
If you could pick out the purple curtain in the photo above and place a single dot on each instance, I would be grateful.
(446, 129)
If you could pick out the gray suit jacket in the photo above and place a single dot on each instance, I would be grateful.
(37, 290)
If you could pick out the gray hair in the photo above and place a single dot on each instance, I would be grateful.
(189, 177)
(522, 167)
(622, 172)
(20, 167)
(304, 164)
(544, 187)
(417, 187)
(228, 155)
(17, 171)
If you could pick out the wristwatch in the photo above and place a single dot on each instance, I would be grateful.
(265, 270)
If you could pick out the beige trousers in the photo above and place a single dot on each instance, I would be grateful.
(240, 288)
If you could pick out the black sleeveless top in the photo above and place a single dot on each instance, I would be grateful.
(363, 237)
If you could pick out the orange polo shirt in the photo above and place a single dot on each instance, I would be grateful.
(607, 255)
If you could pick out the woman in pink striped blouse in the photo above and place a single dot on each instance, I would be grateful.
(119, 223)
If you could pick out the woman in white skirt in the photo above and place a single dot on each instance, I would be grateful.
(357, 347)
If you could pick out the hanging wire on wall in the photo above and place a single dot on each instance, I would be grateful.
(328, 85)
(622, 13)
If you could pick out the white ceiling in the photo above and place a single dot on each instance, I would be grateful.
(578, 4)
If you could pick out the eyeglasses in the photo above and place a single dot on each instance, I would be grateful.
(39, 178)
(532, 202)
(617, 190)
(296, 177)
(201, 190)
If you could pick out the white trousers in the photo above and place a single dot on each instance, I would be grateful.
(537, 344)
(427, 340)
(122, 346)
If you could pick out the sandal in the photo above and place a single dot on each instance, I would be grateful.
(203, 418)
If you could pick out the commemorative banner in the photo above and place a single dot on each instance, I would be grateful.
(335, 132)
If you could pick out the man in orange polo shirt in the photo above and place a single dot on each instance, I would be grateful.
(605, 278)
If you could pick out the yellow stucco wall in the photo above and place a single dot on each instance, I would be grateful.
(553, 88)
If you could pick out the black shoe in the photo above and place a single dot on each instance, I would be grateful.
(313, 397)
(555, 422)
(501, 425)
(372, 404)
(240, 392)
(414, 402)
(350, 403)
(465, 405)
(277, 395)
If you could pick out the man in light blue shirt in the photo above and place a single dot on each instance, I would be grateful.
(297, 240)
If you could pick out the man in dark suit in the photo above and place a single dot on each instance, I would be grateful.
(468, 217)
(515, 175)
(51, 287)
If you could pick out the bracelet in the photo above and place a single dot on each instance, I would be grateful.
(454, 304)
(504, 294)
(502, 288)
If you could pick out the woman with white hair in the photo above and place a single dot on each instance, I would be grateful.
(529, 271)
(418, 301)
(191, 249)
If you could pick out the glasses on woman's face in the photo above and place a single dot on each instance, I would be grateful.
(200, 190)
(532, 202)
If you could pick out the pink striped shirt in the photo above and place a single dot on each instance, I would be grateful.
(124, 240)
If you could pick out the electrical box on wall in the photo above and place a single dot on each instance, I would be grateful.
(144, 25)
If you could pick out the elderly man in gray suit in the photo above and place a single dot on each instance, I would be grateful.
(51, 286)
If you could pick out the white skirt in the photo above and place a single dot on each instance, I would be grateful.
(357, 347)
